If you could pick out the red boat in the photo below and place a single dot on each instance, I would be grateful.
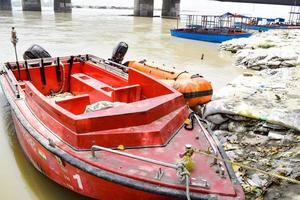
(109, 134)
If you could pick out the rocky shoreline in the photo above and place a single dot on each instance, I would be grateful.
(271, 49)
(257, 116)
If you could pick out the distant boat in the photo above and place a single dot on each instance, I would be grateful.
(265, 24)
(269, 27)
(211, 28)
(208, 35)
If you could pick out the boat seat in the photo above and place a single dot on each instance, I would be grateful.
(127, 94)
(100, 91)
(85, 84)
(75, 104)
(90, 80)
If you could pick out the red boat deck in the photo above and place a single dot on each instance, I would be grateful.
(136, 123)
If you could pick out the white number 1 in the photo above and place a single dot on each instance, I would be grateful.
(78, 179)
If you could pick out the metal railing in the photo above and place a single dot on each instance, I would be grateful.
(208, 136)
(181, 170)
(150, 160)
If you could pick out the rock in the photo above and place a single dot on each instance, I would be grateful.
(261, 130)
(291, 192)
(273, 63)
(275, 135)
(273, 194)
(221, 135)
(234, 155)
(287, 154)
(230, 147)
(232, 139)
(224, 126)
(296, 155)
(274, 126)
(284, 171)
(256, 67)
(217, 119)
(296, 175)
(236, 127)
(258, 139)
(288, 139)
(257, 180)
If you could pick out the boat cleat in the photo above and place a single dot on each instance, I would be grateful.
(215, 161)
(159, 174)
(221, 170)
(186, 157)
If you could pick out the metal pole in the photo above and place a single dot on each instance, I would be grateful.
(14, 41)
(157, 162)
(208, 136)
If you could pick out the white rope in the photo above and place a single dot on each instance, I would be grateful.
(184, 175)
(187, 187)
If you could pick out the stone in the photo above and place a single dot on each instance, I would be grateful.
(275, 135)
(232, 139)
(224, 126)
(236, 127)
(257, 180)
(217, 119)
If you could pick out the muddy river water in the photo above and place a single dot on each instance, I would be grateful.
(96, 32)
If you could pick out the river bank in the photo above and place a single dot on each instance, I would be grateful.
(272, 49)
(257, 116)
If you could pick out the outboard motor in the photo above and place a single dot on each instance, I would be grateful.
(119, 52)
(36, 51)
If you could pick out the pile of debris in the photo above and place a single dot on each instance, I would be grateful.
(257, 119)
(59, 96)
(271, 49)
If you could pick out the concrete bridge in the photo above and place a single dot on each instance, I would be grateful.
(141, 7)
(275, 2)
(170, 8)
(35, 5)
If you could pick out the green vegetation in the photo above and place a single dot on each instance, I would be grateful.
(266, 45)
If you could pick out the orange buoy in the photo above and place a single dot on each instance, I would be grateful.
(195, 89)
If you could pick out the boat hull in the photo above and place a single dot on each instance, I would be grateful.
(79, 176)
(80, 181)
(217, 38)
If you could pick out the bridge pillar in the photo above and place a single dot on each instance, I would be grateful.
(5, 5)
(31, 5)
(143, 8)
(170, 8)
(62, 6)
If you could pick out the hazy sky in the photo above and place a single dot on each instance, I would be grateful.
(205, 7)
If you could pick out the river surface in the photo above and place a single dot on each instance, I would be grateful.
(96, 32)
